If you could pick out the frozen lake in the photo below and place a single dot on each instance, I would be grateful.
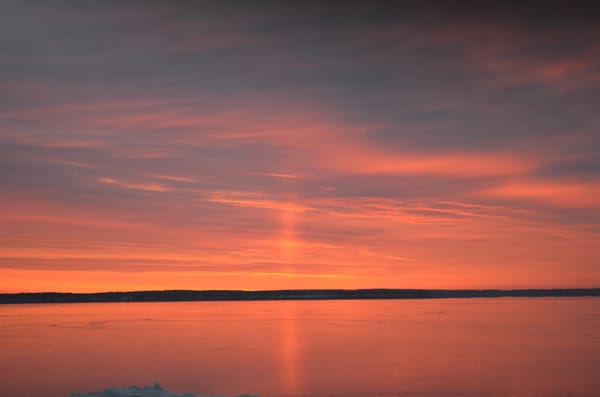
(523, 347)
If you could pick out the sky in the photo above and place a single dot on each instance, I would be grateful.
(274, 145)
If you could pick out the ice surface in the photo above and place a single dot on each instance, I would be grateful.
(146, 391)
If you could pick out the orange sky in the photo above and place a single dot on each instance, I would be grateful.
(152, 146)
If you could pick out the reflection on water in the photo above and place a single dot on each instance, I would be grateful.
(452, 347)
(289, 349)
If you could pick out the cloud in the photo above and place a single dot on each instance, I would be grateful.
(174, 178)
(148, 187)
(280, 175)
(571, 194)
(254, 199)
(302, 275)
(361, 159)
(399, 147)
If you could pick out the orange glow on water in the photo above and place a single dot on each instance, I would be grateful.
(306, 348)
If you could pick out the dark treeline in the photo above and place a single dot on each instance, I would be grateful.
(185, 295)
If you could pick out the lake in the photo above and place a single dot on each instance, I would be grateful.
(444, 347)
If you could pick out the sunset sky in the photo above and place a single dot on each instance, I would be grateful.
(265, 145)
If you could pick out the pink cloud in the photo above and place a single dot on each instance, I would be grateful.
(573, 194)
(148, 187)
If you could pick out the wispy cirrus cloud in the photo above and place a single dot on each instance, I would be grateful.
(256, 200)
(148, 187)
(575, 194)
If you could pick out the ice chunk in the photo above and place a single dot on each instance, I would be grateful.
(146, 391)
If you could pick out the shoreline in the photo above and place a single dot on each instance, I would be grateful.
(270, 295)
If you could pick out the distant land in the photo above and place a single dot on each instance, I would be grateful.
(308, 294)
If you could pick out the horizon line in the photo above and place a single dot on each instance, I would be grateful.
(289, 294)
(299, 289)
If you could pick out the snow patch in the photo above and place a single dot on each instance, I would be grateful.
(146, 391)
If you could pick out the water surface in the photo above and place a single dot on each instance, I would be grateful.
(444, 347)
